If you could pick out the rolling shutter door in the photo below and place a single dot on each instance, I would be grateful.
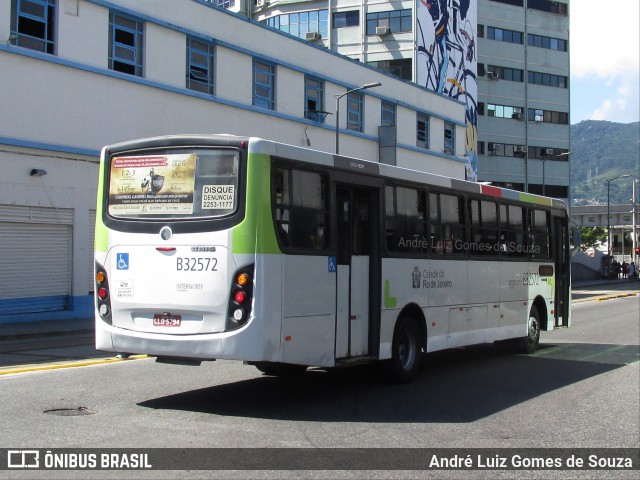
(35, 259)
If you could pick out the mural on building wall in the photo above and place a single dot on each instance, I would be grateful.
(447, 60)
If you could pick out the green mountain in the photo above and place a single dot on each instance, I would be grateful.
(603, 150)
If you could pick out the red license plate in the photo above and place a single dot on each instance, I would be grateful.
(166, 320)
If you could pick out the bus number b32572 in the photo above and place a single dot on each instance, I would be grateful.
(193, 264)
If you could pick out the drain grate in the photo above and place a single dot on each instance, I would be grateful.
(70, 412)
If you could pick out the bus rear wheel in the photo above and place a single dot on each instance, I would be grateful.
(529, 343)
(406, 351)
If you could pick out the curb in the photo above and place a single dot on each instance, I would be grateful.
(67, 364)
(610, 297)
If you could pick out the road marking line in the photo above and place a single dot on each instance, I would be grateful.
(68, 364)
(610, 297)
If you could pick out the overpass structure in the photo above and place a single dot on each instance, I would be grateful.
(621, 221)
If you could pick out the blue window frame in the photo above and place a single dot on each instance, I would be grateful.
(388, 114)
(547, 79)
(395, 20)
(401, 68)
(503, 35)
(422, 130)
(301, 23)
(549, 43)
(449, 138)
(224, 3)
(200, 66)
(125, 44)
(350, 18)
(355, 111)
(505, 73)
(264, 85)
(33, 24)
(314, 99)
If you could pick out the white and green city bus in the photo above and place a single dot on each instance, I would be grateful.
(222, 247)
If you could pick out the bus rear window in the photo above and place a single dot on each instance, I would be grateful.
(174, 184)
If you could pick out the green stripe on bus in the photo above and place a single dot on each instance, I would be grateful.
(525, 197)
(256, 233)
(101, 239)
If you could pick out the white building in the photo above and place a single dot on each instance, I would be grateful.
(80, 74)
(520, 106)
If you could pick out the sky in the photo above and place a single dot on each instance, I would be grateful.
(604, 46)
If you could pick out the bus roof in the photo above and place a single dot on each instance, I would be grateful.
(317, 157)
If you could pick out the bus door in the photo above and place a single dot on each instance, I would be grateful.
(357, 267)
(562, 261)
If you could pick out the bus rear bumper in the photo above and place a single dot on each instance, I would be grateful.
(228, 345)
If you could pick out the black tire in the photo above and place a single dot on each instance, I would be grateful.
(529, 343)
(280, 369)
(406, 351)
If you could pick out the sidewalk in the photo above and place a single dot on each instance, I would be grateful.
(47, 345)
(46, 328)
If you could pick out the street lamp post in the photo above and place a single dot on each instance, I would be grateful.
(338, 97)
(609, 180)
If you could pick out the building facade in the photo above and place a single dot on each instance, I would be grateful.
(523, 114)
(81, 74)
(507, 60)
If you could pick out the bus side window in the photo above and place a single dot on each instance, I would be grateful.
(483, 221)
(513, 240)
(447, 223)
(300, 209)
(405, 220)
(539, 233)
(282, 225)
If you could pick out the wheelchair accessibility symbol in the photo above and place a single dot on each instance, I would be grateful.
(332, 265)
(123, 261)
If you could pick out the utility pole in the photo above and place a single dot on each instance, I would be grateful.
(634, 233)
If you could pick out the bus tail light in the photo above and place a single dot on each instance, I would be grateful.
(103, 300)
(240, 299)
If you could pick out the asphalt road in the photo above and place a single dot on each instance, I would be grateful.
(581, 389)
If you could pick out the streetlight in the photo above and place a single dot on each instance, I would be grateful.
(609, 180)
(338, 97)
(544, 160)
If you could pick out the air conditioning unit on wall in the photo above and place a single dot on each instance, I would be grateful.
(492, 76)
(382, 31)
(312, 36)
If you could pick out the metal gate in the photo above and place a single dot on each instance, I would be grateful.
(35, 259)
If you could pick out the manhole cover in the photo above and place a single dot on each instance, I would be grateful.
(70, 412)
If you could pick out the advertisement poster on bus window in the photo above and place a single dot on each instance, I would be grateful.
(152, 185)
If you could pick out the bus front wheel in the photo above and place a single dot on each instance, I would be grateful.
(529, 343)
(406, 351)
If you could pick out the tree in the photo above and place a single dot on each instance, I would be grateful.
(592, 237)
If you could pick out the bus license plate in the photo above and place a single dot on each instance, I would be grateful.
(166, 320)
